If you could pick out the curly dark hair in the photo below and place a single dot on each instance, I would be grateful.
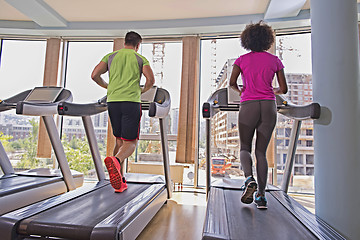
(257, 37)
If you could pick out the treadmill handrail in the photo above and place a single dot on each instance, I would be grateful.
(218, 101)
(78, 109)
(11, 102)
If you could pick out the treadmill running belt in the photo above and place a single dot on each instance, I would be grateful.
(16, 184)
(248, 222)
(77, 218)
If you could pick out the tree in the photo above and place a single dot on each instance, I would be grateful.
(28, 158)
(102, 149)
(5, 140)
(78, 154)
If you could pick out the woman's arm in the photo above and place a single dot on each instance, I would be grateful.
(282, 89)
(233, 78)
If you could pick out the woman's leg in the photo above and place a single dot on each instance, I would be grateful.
(263, 135)
(249, 115)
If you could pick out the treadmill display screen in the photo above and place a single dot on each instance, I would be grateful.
(44, 94)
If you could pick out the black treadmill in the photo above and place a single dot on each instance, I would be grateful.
(96, 211)
(24, 188)
(228, 218)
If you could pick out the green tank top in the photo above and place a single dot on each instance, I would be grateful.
(125, 69)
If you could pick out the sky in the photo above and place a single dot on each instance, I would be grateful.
(22, 66)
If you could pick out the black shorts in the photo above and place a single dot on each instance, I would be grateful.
(125, 119)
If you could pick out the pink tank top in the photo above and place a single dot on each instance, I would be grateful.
(257, 73)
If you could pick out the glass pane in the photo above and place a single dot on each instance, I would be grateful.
(22, 68)
(82, 58)
(217, 58)
(165, 59)
(295, 53)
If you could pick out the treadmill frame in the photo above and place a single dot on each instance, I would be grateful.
(13, 225)
(216, 225)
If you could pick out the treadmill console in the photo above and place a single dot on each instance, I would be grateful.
(43, 94)
(149, 96)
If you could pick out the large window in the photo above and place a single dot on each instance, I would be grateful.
(295, 53)
(82, 57)
(165, 59)
(217, 58)
(22, 68)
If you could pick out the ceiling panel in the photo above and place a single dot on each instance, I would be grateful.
(307, 5)
(121, 10)
(8, 12)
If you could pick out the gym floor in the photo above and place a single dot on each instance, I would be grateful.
(184, 214)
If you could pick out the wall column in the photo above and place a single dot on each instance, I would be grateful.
(335, 49)
(186, 151)
(50, 79)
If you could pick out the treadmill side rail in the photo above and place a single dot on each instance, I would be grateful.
(312, 222)
(216, 227)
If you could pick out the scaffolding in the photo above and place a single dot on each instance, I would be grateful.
(214, 79)
(158, 55)
(158, 62)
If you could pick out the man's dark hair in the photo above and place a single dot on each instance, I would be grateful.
(257, 37)
(133, 39)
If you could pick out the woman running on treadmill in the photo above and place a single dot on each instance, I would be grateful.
(258, 107)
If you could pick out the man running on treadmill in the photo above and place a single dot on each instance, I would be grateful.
(125, 67)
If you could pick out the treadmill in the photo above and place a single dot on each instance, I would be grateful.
(20, 189)
(96, 211)
(228, 218)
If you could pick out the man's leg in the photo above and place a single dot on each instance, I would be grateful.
(122, 150)
(125, 150)
(118, 144)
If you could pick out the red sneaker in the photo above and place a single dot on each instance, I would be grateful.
(123, 186)
(113, 167)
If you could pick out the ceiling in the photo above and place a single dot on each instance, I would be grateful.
(119, 10)
(151, 18)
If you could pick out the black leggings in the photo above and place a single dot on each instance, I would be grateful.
(259, 115)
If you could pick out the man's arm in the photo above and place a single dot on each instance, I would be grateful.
(150, 80)
(96, 74)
